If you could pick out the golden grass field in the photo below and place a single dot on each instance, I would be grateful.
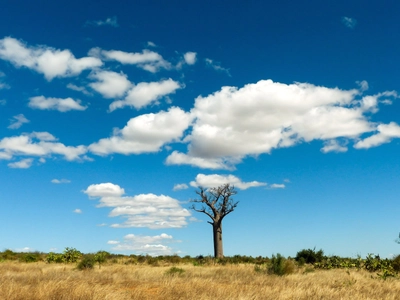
(43, 281)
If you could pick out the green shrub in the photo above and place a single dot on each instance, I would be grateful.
(175, 271)
(396, 263)
(30, 257)
(280, 266)
(101, 256)
(54, 258)
(71, 255)
(309, 256)
(87, 262)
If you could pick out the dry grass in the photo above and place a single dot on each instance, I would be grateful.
(51, 281)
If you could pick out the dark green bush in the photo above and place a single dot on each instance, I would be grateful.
(175, 271)
(87, 262)
(280, 266)
(309, 256)
(30, 257)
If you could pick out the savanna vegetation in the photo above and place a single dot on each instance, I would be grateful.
(309, 275)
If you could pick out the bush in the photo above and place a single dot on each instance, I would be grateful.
(309, 256)
(280, 266)
(175, 271)
(30, 257)
(71, 255)
(86, 263)
(54, 258)
(396, 263)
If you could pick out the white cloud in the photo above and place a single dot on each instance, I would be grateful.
(386, 132)
(59, 181)
(151, 44)
(145, 133)
(112, 21)
(22, 164)
(150, 245)
(104, 190)
(190, 58)
(81, 89)
(46, 60)
(2, 84)
(77, 211)
(62, 105)
(257, 118)
(25, 249)
(178, 158)
(110, 84)
(3, 102)
(180, 186)
(215, 180)
(113, 242)
(277, 186)
(333, 146)
(146, 93)
(349, 22)
(216, 66)
(144, 210)
(18, 121)
(147, 60)
(38, 144)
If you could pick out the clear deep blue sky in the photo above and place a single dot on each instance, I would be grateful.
(113, 112)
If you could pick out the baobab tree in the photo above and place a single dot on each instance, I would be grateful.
(217, 203)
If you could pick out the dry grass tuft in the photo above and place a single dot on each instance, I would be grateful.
(53, 281)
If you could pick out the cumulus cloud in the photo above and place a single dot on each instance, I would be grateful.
(147, 60)
(62, 105)
(22, 164)
(349, 22)
(59, 181)
(45, 60)
(144, 210)
(17, 121)
(39, 144)
(215, 180)
(180, 186)
(333, 146)
(190, 58)
(151, 245)
(111, 242)
(77, 211)
(257, 118)
(146, 93)
(145, 133)
(110, 84)
(386, 132)
(111, 21)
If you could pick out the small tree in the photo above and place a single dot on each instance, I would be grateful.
(217, 203)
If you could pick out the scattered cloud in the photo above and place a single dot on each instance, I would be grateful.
(3, 102)
(25, 249)
(59, 181)
(147, 60)
(112, 21)
(38, 144)
(113, 242)
(110, 84)
(77, 211)
(277, 186)
(22, 164)
(349, 22)
(190, 58)
(2, 84)
(145, 133)
(62, 105)
(17, 121)
(45, 60)
(146, 93)
(81, 89)
(180, 186)
(216, 66)
(150, 245)
(151, 44)
(233, 123)
(333, 146)
(215, 180)
(386, 132)
(144, 210)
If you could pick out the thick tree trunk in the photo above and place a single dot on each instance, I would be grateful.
(217, 233)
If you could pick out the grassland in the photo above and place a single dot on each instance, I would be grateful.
(42, 281)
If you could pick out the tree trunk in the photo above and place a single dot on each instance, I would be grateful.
(217, 233)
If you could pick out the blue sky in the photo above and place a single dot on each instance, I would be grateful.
(112, 113)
